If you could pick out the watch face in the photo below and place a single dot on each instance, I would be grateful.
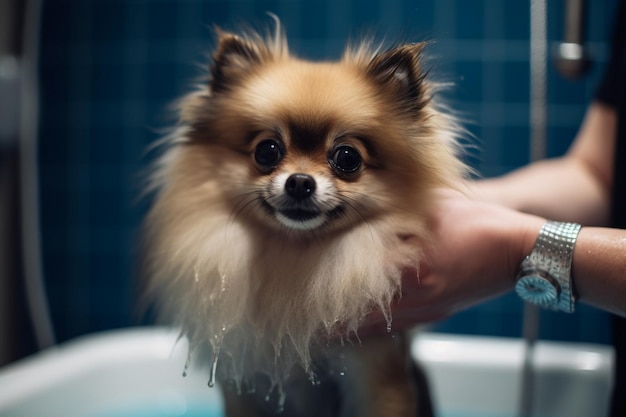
(537, 289)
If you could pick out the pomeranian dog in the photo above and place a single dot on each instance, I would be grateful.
(288, 201)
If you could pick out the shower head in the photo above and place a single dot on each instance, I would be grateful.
(571, 60)
(571, 56)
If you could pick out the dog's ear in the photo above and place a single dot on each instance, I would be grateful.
(233, 59)
(400, 71)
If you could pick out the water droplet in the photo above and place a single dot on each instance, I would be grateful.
(213, 367)
(281, 401)
(196, 275)
(389, 327)
(223, 282)
(187, 362)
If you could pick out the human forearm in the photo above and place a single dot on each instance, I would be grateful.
(599, 268)
(559, 189)
(475, 252)
(574, 187)
(489, 245)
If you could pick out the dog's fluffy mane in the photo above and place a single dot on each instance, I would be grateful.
(263, 301)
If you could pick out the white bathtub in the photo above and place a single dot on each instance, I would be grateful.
(482, 376)
(138, 373)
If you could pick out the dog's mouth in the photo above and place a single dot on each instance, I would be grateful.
(303, 218)
(300, 215)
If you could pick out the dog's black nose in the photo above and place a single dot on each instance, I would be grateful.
(300, 186)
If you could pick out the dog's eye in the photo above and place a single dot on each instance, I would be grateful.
(268, 154)
(345, 159)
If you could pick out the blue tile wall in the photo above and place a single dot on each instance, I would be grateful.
(109, 69)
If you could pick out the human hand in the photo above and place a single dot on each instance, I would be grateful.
(474, 251)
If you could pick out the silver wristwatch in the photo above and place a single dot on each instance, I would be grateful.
(545, 275)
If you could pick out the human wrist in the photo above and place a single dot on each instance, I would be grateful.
(524, 240)
(545, 275)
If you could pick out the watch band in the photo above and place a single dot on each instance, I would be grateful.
(545, 275)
